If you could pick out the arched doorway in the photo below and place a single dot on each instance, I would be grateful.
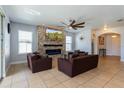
(109, 43)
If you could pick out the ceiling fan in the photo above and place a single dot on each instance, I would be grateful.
(73, 24)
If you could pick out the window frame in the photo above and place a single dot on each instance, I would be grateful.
(27, 42)
(69, 43)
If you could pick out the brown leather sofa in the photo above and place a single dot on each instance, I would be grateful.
(38, 63)
(77, 65)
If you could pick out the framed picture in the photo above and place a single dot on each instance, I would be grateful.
(101, 40)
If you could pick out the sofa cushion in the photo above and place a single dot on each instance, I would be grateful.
(75, 55)
(79, 57)
(76, 51)
(71, 56)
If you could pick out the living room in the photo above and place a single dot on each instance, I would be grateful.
(59, 47)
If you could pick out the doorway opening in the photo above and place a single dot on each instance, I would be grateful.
(109, 44)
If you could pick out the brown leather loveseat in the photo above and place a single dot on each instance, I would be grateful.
(77, 65)
(37, 63)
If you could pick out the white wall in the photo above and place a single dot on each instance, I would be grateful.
(85, 44)
(15, 27)
(117, 30)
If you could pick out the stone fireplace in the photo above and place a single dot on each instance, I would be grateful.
(48, 47)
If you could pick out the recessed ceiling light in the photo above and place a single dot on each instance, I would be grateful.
(32, 12)
(114, 36)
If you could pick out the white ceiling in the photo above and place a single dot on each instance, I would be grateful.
(94, 16)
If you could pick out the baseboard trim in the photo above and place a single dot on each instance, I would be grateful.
(8, 68)
(14, 62)
(18, 62)
(5, 74)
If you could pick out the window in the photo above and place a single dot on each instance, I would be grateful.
(68, 43)
(25, 42)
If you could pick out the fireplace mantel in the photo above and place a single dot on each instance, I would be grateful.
(53, 45)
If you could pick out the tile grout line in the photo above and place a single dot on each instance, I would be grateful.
(43, 81)
(111, 78)
(27, 81)
(89, 80)
(12, 78)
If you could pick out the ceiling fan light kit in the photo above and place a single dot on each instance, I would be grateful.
(81, 38)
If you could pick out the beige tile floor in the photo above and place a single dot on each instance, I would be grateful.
(108, 74)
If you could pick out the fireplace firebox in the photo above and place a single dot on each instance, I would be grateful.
(53, 51)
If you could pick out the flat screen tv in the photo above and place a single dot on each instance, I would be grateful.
(54, 35)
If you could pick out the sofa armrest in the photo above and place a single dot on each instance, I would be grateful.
(41, 64)
(65, 66)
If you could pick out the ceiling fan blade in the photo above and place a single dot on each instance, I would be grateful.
(79, 26)
(74, 28)
(80, 23)
(72, 22)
